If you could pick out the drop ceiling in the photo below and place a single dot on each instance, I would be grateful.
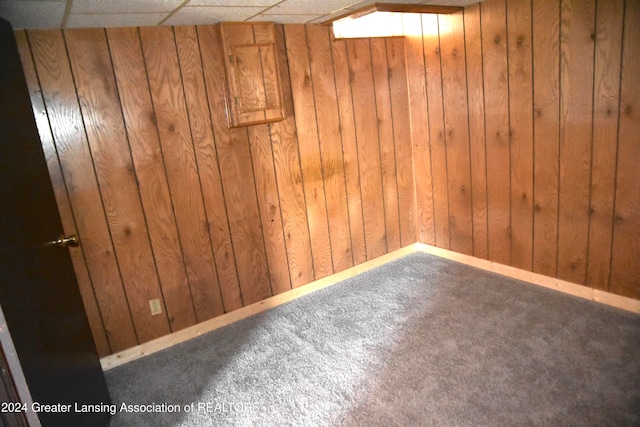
(127, 13)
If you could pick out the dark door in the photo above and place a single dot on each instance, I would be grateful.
(38, 290)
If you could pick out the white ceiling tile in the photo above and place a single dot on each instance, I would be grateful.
(124, 6)
(285, 19)
(311, 7)
(33, 14)
(201, 15)
(233, 3)
(86, 20)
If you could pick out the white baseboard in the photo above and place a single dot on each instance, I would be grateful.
(167, 341)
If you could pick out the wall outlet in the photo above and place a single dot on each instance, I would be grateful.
(155, 306)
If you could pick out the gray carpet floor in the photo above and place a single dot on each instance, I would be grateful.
(419, 341)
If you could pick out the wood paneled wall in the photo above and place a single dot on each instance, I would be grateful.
(526, 123)
(171, 204)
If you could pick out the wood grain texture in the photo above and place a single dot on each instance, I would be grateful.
(625, 269)
(328, 120)
(387, 144)
(59, 94)
(496, 104)
(349, 150)
(102, 115)
(606, 99)
(289, 176)
(398, 89)
(137, 109)
(477, 146)
(419, 116)
(521, 131)
(208, 169)
(576, 103)
(309, 149)
(546, 128)
(454, 93)
(367, 137)
(238, 183)
(62, 198)
(168, 97)
(433, 74)
(269, 204)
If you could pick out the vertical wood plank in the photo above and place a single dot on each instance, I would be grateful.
(238, 183)
(306, 124)
(207, 163)
(349, 150)
(269, 204)
(454, 82)
(609, 24)
(386, 138)
(60, 99)
(364, 111)
(102, 116)
(62, 198)
(324, 92)
(576, 82)
(138, 113)
(399, 92)
(287, 165)
(419, 115)
(477, 147)
(546, 98)
(521, 131)
(167, 95)
(625, 268)
(433, 74)
(496, 104)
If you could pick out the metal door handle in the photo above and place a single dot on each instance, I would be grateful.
(65, 241)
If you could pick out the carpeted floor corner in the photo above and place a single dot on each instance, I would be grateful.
(419, 341)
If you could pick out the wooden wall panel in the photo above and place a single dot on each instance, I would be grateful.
(309, 149)
(385, 135)
(520, 44)
(549, 126)
(325, 95)
(418, 109)
(367, 137)
(456, 132)
(400, 112)
(349, 151)
(496, 104)
(477, 146)
(137, 109)
(170, 112)
(102, 115)
(62, 198)
(217, 221)
(546, 131)
(577, 38)
(625, 268)
(606, 99)
(435, 105)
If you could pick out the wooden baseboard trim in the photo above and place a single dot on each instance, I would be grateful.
(167, 341)
(618, 301)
